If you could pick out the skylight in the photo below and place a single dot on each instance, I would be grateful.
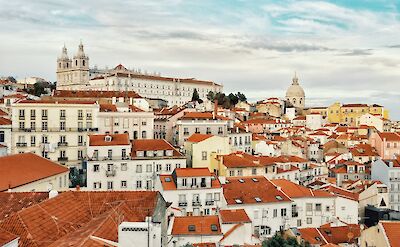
(192, 228)
(214, 228)
(258, 199)
(279, 198)
(238, 201)
(241, 180)
(167, 179)
(254, 179)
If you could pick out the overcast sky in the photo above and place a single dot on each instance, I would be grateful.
(347, 51)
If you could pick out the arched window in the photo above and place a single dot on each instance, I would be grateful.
(76, 62)
(144, 134)
(294, 100)
(83, 62)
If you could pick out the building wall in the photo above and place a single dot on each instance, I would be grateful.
(374, 236)
(59, 182)
(76, 130)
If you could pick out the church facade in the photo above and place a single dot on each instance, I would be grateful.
(74, 74)
(295, 95)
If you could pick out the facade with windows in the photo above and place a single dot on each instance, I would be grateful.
(240, 140)
(119, 164)
(5, 134)
(123, 118)
(194, 191)
(56, 130)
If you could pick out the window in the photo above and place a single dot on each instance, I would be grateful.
(33, 140)
(33, 114)
(184, 182)
(255, 214)
(33, 125)
(62, 114)
(80, 114)
(123, 153)
(275, 213)
(44, 114)
(138, 168)
(168, 167)
(109, 155)
(109, 185)
(197, 130)
(21, 125)
(254, 171)
(123, 184)
(144, 123)
(216, 196)
(97, 185)
(309, 207)
(309, 220)
(124, 166)
(318, 207)
(144, 134)
(148, 185)
(185, 131)
(298, 223)
(231, 173)
(220, 130)
(44, 125)
(80, 140)
(2, 136)
(80, 154)
(283, 212)
(96, 168)
(21, 114)
(204, 155)
(158, 167)
(149, 168)
(138, 184)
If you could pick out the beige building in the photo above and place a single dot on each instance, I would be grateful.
(202, 148)
(30, 172)
(56, 130)
(295, 94)
(385, 234)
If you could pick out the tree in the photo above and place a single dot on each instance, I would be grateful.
(195, 96)
(233, 99)
(278, 241)
(210, 96)
(38, 89)
(241, 97)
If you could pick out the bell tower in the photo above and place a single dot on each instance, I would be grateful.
(64, 63)
(80, 67)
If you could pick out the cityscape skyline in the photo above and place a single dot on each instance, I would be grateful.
(336, 47)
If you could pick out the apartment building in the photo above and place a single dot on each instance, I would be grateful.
(124, 118)
(57, 130)
(387, 144)
(193, 191)
(199, 123)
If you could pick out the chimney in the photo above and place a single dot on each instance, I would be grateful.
(78, 188)
(215, 109)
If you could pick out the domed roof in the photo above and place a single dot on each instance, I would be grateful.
(295, 90)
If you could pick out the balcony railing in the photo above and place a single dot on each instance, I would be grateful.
(62, 158)
(21, 117)
(44, 117)
(209, 202)
(111, 173)
(196, 203)
(62, 144)
(21, 144)
(182, 204)
(62, 117)
(55, 129)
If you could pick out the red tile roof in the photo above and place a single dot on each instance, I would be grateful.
(152, 145)
(5, 121)
(392, 230)
(312, 236)
(199, 137)
(340, 234)
(20, 169)
(72, 218)
(354, 105)
(201, 115)
(297, 191)
(234, 216)
(341, 192)
(11, 202)
(108, 108)
(246, 190)
(389, 136)
(192, 172)
(61, 102)
(3, 113)
(116, 140)
(94, 94)
(6, 237)
(202, 225)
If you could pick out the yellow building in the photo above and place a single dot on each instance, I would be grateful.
(201, 149)
(350, 113)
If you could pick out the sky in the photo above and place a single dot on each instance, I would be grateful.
(343, 51)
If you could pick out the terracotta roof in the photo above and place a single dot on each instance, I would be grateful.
(61, 102)
(199, 137)
(192, 172)
(201, 225)
(312, 235)
(72, 218)
(341, 192)
(340, 234)
(234, 216)
(300, 118)
(5, 121)
(11, 202)
(116, 140)
(297, 191)
(263, 121)
(354, 105)
(135, 108)
(6, 237)
(291, 169)
(204, 245)
(152, 145)
(389, 136)
(3, 113)
(252, 190)
(201, 115)
(20, 169)
(392, 230)
(94, 94)
(108, 108)
(363, 150)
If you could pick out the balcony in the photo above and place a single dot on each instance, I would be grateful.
(62, 117)
(21, 117)
(111, 173)
(80, 117)
(182, 204)
(209, 202)
(62, 144)
(62, 158)
(44, 117)
(196, 203)
(21, 144)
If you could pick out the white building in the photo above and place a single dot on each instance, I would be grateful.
(30, 172)
(124, 118)
(5, 134)
(148, 233)
(314, 121)
(388, 172)
(240, 140)
(56, 130)
(116, 164)
(192, 191)
(377, 121)
(266, 205)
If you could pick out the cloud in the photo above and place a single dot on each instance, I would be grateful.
(358, 52)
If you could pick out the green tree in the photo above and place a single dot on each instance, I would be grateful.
(211, 96)
(38, 89)
(234, 99)
(278, 241)
(241, 97)
(195, 96)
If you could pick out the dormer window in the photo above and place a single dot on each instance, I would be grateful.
(238, 201)
(149, 153)
(191, 228)
(139, 153)
(108, 138)
(169, 152)
(214, 228)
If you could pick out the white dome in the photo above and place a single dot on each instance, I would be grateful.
(295, 90)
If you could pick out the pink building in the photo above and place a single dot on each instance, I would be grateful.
(387, 144)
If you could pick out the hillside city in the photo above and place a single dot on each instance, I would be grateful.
(123, 157)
